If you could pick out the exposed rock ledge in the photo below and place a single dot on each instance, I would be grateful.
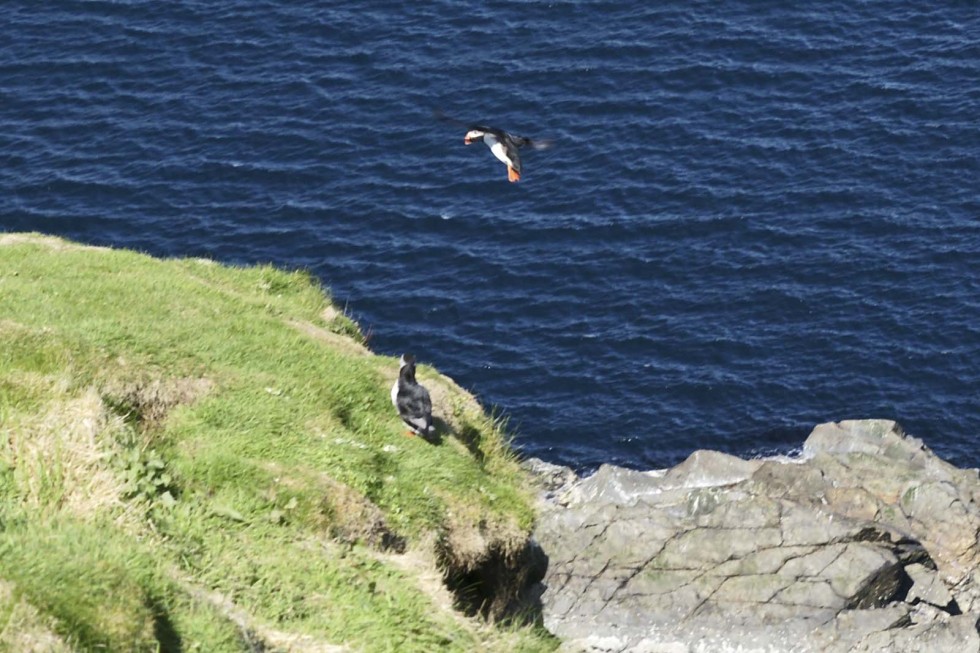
(865, 542)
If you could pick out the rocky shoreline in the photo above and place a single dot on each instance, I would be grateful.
(865, 542)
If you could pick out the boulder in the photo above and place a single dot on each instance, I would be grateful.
(865, 542)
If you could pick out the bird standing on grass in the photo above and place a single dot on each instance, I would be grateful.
(411, 399)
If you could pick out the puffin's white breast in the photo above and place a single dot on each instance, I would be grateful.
(497, 148)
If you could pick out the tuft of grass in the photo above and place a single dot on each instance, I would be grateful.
(100, 590)
(23, 627)
(207, 459)
(95, 590)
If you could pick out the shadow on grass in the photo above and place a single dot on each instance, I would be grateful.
(469, 435)
(164, 631)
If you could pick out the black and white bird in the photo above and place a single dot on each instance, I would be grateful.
(411, 399)
(504, 145)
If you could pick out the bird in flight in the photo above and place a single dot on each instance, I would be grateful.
(504, 145)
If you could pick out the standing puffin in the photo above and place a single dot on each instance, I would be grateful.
(505, 146)
(411, 399)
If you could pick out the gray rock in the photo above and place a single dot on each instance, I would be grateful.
(867, 541)
(927, 587)
(550, 478)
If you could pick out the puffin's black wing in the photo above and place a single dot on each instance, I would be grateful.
(503, 136)
(443, 117)
(415, 407)
(511, 147)
(524, 141)
(513, 144)
(500, 134)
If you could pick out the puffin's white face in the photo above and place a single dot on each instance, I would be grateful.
(472, 135)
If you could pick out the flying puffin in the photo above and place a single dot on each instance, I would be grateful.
(411, 399)
(504, 145)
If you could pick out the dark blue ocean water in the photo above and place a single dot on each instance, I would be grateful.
(756, 216)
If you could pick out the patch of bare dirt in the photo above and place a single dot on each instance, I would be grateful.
(60, 456)
(345, 514)
(53, 242)
(150, 400)
(259, 636)
(340, 341)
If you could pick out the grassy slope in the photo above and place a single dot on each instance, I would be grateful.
(192, 458)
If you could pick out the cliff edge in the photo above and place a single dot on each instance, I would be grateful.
(196, 457)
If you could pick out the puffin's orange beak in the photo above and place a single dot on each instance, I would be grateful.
(467, 140)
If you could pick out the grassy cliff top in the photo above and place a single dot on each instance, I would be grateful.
(195, 457)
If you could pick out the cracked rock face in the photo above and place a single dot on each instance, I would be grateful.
(866, 542)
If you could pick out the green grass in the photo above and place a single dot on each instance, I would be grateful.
(103, 590)
(172, 430)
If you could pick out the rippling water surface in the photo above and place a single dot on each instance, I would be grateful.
(756, 216)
